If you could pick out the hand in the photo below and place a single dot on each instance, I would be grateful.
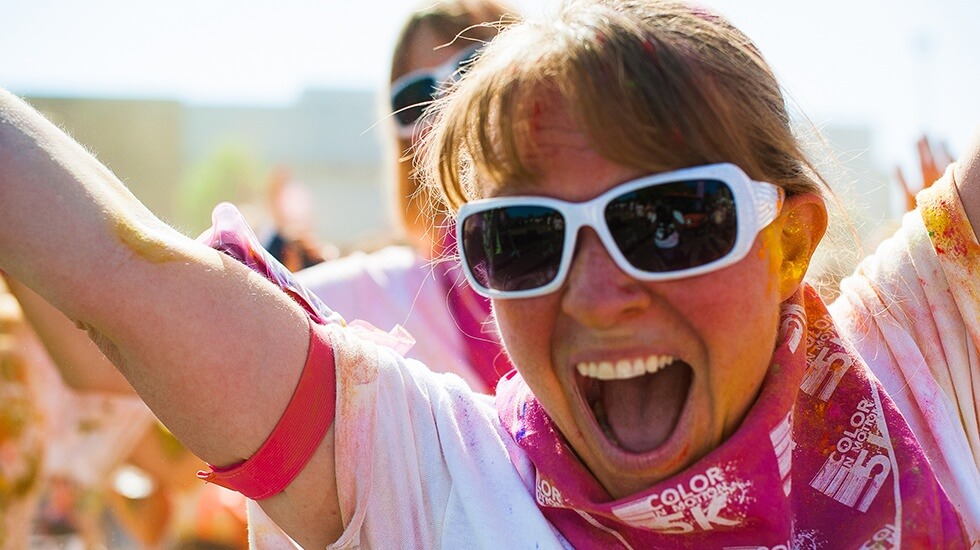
(933, 160)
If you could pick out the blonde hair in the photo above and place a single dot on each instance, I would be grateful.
(418, 208)
(473, 20)
(656, 85)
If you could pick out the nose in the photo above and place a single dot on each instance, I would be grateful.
(597, 293)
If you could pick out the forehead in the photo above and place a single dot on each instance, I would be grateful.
(428, 49)
(561, 157)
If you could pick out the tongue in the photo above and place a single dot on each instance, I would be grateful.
(642, 411)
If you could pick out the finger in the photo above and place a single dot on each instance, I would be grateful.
(906, 192)
(927, 162)
(945, 158)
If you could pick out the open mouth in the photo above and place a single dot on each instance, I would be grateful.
(637, 402)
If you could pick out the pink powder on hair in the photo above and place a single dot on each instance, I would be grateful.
(704, 13)
(650, 48)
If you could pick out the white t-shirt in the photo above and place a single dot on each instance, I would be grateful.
(422, 462)
(396, 286)
(914, 316)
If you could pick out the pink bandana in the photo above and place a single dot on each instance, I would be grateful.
(822, 460)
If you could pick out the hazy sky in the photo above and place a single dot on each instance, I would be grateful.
(900, 66)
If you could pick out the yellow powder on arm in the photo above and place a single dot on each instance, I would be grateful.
(144, 242)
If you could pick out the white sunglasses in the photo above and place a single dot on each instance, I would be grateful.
(656, 228)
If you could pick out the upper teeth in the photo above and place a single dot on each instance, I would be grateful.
(623, 369)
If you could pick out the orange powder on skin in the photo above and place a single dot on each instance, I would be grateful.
(766, 243)
(778, 268)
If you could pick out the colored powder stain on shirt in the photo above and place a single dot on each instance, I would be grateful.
(355, 362)
(950, 231)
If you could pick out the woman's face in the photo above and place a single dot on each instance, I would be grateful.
(717, 332)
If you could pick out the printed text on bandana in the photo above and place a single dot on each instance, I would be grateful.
(703, 502)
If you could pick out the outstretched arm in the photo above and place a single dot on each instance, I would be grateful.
(214, 349)
(966, 173)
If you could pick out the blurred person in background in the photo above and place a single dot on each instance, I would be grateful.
(293, 241)
(23, 428)
(407, 285)
(934, 158)
(71, 410)
(59, 446)
(414, 286)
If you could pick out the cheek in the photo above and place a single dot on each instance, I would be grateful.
(743, 340)
(737, 311)
(526, 327)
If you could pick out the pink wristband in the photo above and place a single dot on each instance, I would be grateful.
(296, 436)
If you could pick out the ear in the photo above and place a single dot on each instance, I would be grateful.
(801, 224)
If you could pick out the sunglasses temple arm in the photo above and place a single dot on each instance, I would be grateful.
(769, 201)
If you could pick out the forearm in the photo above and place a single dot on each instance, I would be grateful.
(63, 214)
(82, 365)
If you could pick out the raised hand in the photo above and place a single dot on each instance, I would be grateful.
(933, 159)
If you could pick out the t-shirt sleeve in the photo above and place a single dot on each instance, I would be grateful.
(422, 459)
(958, 254)
(911, 310)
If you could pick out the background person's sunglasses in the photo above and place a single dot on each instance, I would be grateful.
(661, 227)
(412, 93)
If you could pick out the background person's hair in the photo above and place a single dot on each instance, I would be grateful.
(459, 22)
(471, 20)
(655, 85)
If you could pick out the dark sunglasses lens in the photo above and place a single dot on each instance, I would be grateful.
(674, 226)
(410, 102)
(514, 248)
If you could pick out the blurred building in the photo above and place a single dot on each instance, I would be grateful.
(332, 141)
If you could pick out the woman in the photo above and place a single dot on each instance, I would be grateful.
(711, 404)
(410, 285)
